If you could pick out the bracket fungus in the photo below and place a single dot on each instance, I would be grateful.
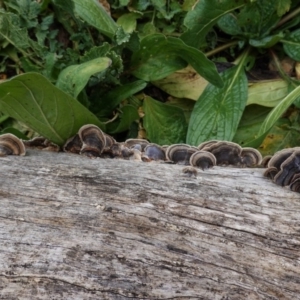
(250, 157)
(226, 153)
(139, 144)
(41, 143)
(288, 169)
(203, 159)
(93, 140)
(284, 168)
(73, 144)
(190, 171)
(11, 145)
(180, 153)
(153, 152)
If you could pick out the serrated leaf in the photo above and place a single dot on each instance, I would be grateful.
(291, 45)
(204, 16)
(217, 112)
(128, 115)
(91, 12)
(164, 124)
(73, 79)
(277, 111)
(33, 100)
(160, 56)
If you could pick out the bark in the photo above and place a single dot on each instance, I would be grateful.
(79, 228)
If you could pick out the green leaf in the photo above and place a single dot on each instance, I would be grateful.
(128, 115)
(291, 45)
(128, 21)
(277, 111)
(159, 57)
(15, 132)
(11, 32)
(283, 6)
(217, 112)
(110, 100)
(267, 41)
(73, 79)
(204, 16)
(91, 12)
(33, 100)
(267, 92)
(164, 124)
(252, 118)
(184, 83)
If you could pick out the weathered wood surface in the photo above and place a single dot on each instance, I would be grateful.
(76, 228)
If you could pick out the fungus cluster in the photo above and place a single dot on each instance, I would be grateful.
(284, 168)
(92, 142)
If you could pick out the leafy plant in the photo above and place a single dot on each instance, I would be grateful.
(136, 67)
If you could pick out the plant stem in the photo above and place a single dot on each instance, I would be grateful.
(221, 48)
(288, 17)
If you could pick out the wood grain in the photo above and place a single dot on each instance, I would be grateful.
(79, 228)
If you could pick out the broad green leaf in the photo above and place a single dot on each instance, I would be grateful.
(128, 115)
(33, 100)
(91, 12)
(12, 33)
(217, 112)
(277, 111)
(204, 16)
(249, 125)
(184, 83)
(159, 57)
(112, 99)
(73, 79)
(153, 61)
(266, 42)
(291, 45)
(128, 21)
(267, 92)
(164, 124)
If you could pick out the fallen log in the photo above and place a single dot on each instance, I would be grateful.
(78, 228)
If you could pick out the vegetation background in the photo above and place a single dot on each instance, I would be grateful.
(169, 71)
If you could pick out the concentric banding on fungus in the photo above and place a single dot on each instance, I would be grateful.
(207, 144)
(226, 153)
(153, 152)
(288, 169)
(279, 157)
(73, 144)
(250, 157)
(139, 144)
(11, 145)
(180, 153)
(271, 172)
(295, 183)
(265, 161)
(93, 140)
(203, 160)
